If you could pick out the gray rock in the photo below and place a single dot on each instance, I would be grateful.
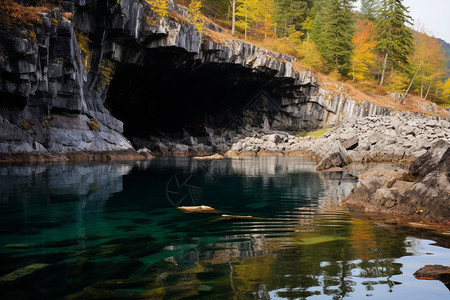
(350, 143)
(336, 159)
(375, 138)
(430, 160)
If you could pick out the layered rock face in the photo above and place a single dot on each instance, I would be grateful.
(55, 78)
(423, 190)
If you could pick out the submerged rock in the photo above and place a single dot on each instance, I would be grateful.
(22, 272)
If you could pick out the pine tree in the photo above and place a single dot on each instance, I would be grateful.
(333, 32)
(395, 38)
(369, 9)
(291, 13)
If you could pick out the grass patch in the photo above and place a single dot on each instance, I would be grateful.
(313, 134)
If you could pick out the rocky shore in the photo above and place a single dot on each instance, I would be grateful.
(410, 177)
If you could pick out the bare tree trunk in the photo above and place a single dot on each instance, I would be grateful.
(428, 91)
(353, 73)
(233, 17)
(421, 87)
(384, 69)
(265, 24)
(414, 78)
(245, 25)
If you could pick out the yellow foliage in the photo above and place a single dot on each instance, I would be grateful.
(32, 37)
(159, 7)
(446, 88)
(309, 55)
(194, 14)
(94, 125)
(399, 82)
(335, 74)
(363, 54)
(106, 71)
(83, 43)
(26, 125)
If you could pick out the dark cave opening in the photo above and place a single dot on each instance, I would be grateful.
(170, 93)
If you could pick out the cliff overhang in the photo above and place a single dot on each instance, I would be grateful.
(152, 74)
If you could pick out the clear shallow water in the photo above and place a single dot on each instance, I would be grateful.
(109, 231)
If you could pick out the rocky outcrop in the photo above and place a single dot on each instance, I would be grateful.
(45, 108)
(54, 78)
(402, 137)
(434, 272)
(399, 191)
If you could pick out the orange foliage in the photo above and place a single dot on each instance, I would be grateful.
(363, 54)
(14, 14)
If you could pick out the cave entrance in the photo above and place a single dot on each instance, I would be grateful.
(170, 94)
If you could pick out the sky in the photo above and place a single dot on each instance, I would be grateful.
(434, 15)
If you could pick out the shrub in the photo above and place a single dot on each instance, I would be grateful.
(106, 71)
(16, 15)
(26, 125)
(380, 90)
(94, 125)
(83, 42)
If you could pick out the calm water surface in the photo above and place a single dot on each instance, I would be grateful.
(111, 231)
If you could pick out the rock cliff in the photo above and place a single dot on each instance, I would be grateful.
(58, 77)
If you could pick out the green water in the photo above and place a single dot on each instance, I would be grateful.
(110, 231)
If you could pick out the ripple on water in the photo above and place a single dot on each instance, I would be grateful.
(108, 231)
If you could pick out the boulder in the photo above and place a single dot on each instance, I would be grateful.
(430, 160)
(335, 159)
(350, 143)
(434, 272)
(384, 188)
(146, 153)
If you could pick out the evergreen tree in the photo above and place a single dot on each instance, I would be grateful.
(395, 38)
(369, 9)
(290, 14)
(333, 32)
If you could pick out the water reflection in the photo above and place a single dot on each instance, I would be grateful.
(108, 231)
(87, 183)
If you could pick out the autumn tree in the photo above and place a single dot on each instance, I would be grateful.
(394, 37)
(159, 7)
(246, 13)
(195, 13)
(306, 26)
(364, 40)
(446, 89)
(264, 15)
(427, 61)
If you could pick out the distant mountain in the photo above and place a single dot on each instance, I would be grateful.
(446, 47)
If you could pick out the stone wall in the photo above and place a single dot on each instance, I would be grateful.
(52, 93)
